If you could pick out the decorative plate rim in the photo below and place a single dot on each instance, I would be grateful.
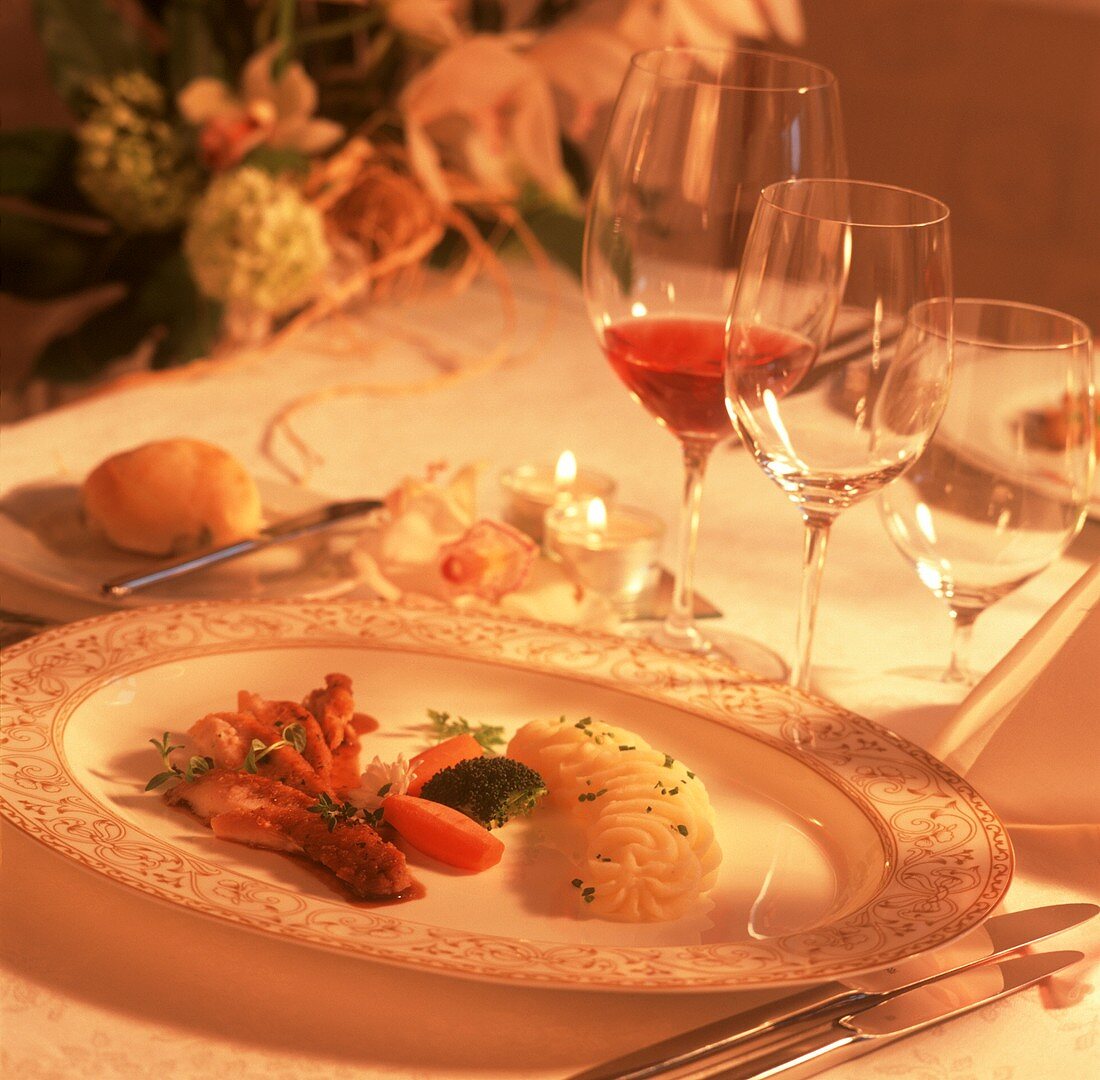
(951, 859)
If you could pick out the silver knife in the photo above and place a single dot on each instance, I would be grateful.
(289, 529)
(905, 1014)
(998, 936)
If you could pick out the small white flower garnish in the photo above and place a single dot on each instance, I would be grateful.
(381, 779)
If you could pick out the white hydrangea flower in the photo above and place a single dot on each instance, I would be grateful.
(132, 163)
(254, 242)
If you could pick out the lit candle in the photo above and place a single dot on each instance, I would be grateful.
(612, 550)
(531, 490)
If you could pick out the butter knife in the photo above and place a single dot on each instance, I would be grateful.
(280, 533)
(905, 1014)
(743, 1032)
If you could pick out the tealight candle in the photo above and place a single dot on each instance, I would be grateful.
(612, 550)
(531, 490)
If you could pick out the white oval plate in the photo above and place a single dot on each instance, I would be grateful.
(840, 858)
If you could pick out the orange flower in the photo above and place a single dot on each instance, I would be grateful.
(490, 560)
(267, 112)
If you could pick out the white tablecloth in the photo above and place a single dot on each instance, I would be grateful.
(100, 982)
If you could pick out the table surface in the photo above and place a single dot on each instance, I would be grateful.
(97, 981)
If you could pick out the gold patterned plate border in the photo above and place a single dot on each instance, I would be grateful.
(949, 860)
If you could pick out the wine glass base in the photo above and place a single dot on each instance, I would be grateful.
(966, 681)
(739, 651)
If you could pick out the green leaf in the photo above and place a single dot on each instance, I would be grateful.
(41, 261)
(285, 28)
(32, 160)
(40, 164)
(166, 297)
(560, 232)
(197, 766)
(162, 301)
(85, 39)
(108, 335)
(160, 778)
(487, 16)
(277, 161)
(193, 48)
(295, 735)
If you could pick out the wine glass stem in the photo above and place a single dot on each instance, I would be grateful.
(959, 670)
(813, 564)
(680, 621)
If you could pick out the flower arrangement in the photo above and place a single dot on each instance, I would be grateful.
(237, 169)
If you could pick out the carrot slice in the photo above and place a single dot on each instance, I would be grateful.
(441, 756)
(443, 833)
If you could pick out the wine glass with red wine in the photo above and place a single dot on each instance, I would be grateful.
(695, 135)
(838, 368)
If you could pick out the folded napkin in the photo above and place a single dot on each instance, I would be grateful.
(1029, 733)
(1028, 738)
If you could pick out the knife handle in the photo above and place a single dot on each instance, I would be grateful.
(798, 1053)
(280, 533)
(747, 1034)
(124, 586)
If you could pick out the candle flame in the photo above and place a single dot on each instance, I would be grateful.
(565, 472)
(597, 515)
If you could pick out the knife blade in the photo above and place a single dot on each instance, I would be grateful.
(280, 532)
(996, 937)
(904, 1014)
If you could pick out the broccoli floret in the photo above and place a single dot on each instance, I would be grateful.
(488, 789)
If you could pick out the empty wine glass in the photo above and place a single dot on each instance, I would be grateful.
(835, 388)
(1004, 485)
(695, 135)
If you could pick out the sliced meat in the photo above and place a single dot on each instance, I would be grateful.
(334, 707)
(227, 738)
(262, 812)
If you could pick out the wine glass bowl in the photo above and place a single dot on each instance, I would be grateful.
(835, 387)
(694, 136)
(1003, 487)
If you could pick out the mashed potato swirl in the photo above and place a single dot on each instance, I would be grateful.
(649, 851)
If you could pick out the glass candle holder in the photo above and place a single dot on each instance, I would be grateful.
(612, 550)
(530, 490)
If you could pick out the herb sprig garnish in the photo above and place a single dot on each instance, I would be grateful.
(195, 767)
(333, 813)
(294, 735)
(445, 726)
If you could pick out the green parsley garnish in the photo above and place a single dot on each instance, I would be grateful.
(444, 726)
(195, 767)
(591, 796)
(333, 813)
(295, 736)
(259, 750)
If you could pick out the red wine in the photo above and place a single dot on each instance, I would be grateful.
(674, 367)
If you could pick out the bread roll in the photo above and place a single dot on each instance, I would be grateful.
(171, 496)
